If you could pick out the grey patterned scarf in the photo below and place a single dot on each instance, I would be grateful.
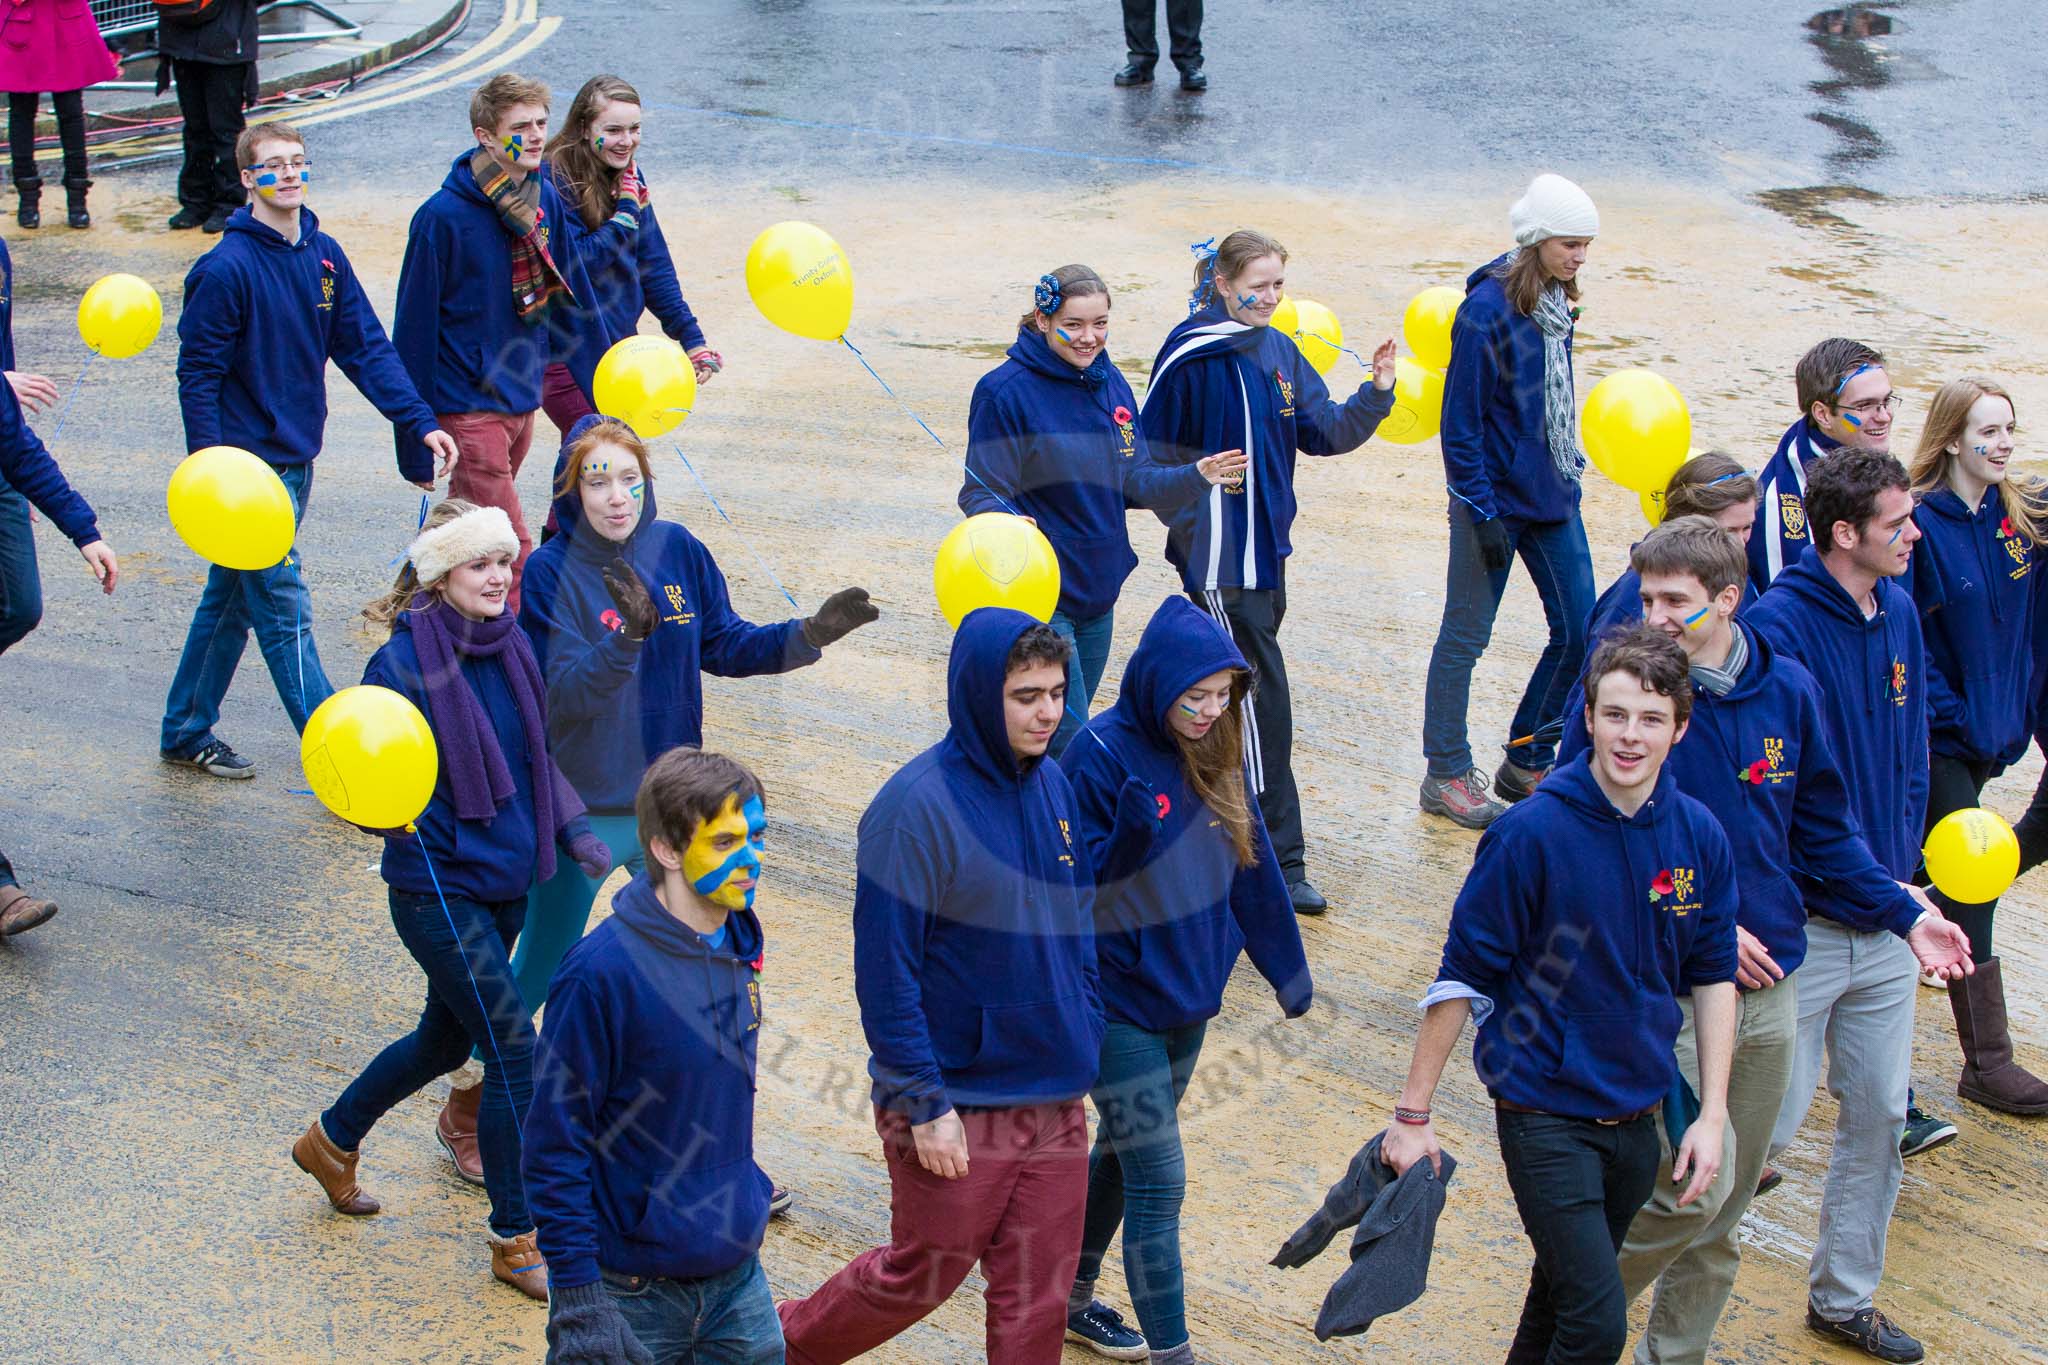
(1553, 315)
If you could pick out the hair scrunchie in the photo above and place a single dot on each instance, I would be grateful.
(1205, 253)
(1047, 295)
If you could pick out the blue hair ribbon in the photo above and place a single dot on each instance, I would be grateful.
(1047, 295)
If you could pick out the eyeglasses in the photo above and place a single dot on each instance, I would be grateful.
(277, 165)
(1869, 406)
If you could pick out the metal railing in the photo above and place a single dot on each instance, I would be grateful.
(119, 18)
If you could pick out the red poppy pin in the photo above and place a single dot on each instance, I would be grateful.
(329, 264)
(611, 620)
(2005, 528)
(759, 958)
(1122, 414)
(1661, 887)
(1754, 773)
(1164, 805)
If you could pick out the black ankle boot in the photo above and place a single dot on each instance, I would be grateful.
(75, 187)
(30, 188)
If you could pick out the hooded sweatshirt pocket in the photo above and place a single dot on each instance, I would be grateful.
(1015, 1038)
(1620, 1056)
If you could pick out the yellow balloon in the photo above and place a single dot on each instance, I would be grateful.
(119, 316)
(801, 281)
(996, 560)
(1427, 324)
(370, 757)
(1418, 404)
(1636, 428)
(231, 508)
(1972, 856)
(1652, 504)
(646, 382)
(1317, 332)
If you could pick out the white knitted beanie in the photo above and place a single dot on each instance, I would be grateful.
(1553, 207)
(478, 532)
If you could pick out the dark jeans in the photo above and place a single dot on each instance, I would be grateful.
(21, 131)
(1558, 561)
(472, 1002)
(1577, 1184)
(210, 99)
(1183, 32)
(1253, 620)
(1089, 640)
(21, 583)
(724, 1319)
(1954, 784)
(2032, 828)
(1137, 1174)
(275, 604)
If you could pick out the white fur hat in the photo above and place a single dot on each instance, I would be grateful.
(478, 532)
(1553, 207)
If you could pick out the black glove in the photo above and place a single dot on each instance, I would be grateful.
(844, 612)
(629, 595)
(1496, 546)
(586, 1328)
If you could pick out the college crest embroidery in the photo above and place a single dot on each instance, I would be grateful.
(1792, 512)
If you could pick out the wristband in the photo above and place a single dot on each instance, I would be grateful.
(1415, 1117)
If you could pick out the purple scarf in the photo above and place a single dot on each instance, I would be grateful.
(477, 774)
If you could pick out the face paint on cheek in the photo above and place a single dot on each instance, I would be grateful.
(1190, 712)
(515, 145)
(1061, 333)
(600, 142)
(266, 185)
(711, 873)
(1895, 536)
(1855, 422)
(1247, 300)
(1982, 452)
(1698, 618)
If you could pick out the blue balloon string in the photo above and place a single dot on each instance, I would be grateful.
(482, 1009)
(76, 384)
(713, 499)
(424, 500)
(927, 430)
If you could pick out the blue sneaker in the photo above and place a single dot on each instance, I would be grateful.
(1924, 1132)
(1102, 1330)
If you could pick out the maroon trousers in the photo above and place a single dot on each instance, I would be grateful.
(492, 447)
(1017, 1211)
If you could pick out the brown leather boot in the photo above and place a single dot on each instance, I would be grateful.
(1990, 1076)
(455, 1130)
(21, 912)
(517, 1261)
(316, 1155)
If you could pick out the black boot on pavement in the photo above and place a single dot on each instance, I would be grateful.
(30, 212)
(1870, 1332)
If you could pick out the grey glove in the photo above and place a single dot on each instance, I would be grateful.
(586, 1328)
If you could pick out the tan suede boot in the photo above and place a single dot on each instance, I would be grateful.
(316, 1155)
(21, 912)
(517, 1261)
(1990, 1075)
(455, 1130)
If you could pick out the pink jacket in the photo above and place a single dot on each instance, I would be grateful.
(51, 45)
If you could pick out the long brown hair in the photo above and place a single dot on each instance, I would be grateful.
(1526, 279)
(1214, 765)
(382, 613)
(606, 431)
(1948, 417)
(1239, 250)
(580, 173)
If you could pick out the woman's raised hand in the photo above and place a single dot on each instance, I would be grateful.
(1383, 365)
(1226, 466)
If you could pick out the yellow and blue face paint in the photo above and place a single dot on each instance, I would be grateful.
(1698, 618)
(710, 872)
(515, 145)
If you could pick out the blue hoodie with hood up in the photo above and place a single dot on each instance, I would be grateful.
(455, 326)
(973, 914)
(1760, 760)
(1217, 385)
(1044, 438)
(1172, 906)
(614, 704)
(1495, 441)
(1973, 581)
(639, 1150)
(262, 318)
(1583, 926)
(1872, 675)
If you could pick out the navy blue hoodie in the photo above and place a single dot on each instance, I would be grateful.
(1973, 581)
(455, 326)
(1760, 760)
(616, 274)
(1781, 535)
(1045, 438)
(1220, 385)
(1172, 906)
(1872, 675)
(614, 704)
(639, 1147)
(1583, 925)
(479, 860)
(1495, 440)
(973, 916)
(25, 465)
(262, 318)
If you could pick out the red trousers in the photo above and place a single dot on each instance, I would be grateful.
(1017, 1211)
(493, 446)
